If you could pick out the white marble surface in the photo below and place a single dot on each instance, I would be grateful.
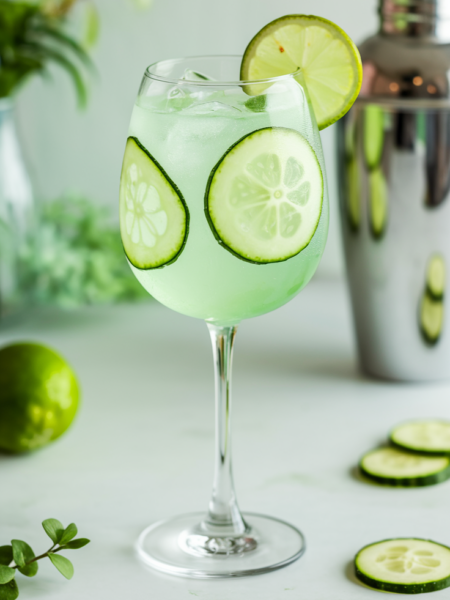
(141, 448)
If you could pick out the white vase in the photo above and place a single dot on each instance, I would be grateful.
(16, 209)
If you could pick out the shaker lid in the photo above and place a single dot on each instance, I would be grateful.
(416, 18)
(408, 62)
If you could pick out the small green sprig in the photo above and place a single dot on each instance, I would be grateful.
(20, 557)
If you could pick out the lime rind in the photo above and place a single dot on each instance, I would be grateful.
(330, 62)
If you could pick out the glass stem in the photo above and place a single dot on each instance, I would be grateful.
(223, 515)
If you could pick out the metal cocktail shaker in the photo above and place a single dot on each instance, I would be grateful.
(394, 171)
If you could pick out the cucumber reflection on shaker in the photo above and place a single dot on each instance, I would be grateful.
(373, 135)
(353, 194)
(431, 311)
(436, 277)
(431, 318)
(378, 202)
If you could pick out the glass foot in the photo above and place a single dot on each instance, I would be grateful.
(179, 547)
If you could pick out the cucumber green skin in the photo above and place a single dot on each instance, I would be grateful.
(420, 451)
(183, 202)
(423, 481)
(401, 588)
(377, 234)
(434, 295)
(428, 339)
(208, 217)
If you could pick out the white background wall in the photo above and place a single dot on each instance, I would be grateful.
(72, 150)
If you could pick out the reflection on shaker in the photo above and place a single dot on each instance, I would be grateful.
(373, 135)
(432, 303)
(352, 178)
(353, 194)
(436, 277)
(437, 140)
(378, 202)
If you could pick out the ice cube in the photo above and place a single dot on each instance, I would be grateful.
(190, 75)
(218, 108)
(177, 99)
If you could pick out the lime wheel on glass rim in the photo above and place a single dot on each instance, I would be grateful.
(329, 61)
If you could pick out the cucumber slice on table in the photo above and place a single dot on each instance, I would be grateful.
(154, 218)
(395, 467)
(436, 277)
(431, 318)
(404, 566)
(426, 437)
(329, 60)
(264, 197)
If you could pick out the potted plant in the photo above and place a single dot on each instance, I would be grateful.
(32, 35)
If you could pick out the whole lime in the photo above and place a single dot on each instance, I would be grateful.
(39, 396)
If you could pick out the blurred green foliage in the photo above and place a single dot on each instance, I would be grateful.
(32, 36)
(75, 257)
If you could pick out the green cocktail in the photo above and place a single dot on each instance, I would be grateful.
(206, 281)
(224, 216)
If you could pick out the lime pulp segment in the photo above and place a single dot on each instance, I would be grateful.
(330, 62)
(264, 197)
(404, 566)
(154, 218)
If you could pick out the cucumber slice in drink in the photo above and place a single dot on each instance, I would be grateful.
(154, 218)
(378, 201)
(264, 197)
(436, 277)
(330, 62)
(404, 566)
(373, 135)
(431, 318)
(426, 437)
(395, 467)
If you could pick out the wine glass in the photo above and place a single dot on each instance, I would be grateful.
(224, 216)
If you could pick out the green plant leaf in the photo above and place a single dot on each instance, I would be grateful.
(22, 553)
(29, 570)
(75, 544)
(44, 53)
(6, 574)
(6, 555)
(54, 529)
(9, 591)
(63, 564)
(69, 533)
(69, 42)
